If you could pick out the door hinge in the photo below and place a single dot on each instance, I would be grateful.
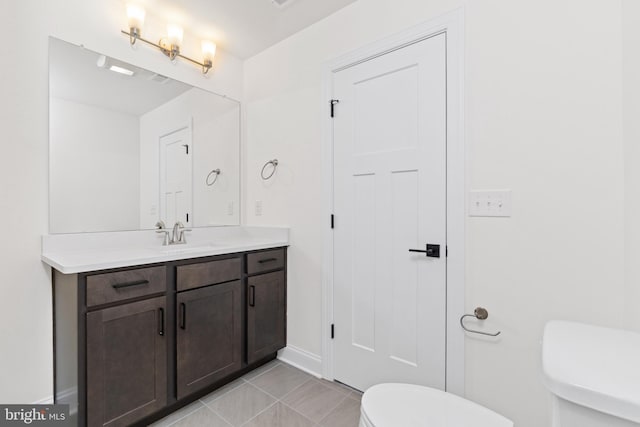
(333, 102)
(332, 221)
(186, 147)
(446, 251)
(333, 331)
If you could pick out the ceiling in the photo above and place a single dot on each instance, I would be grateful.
(243, 27)
(75, 76)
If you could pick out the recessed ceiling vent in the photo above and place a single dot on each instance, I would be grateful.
(159, 78)
(281, 4)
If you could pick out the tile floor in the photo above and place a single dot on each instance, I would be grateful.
(274, 395)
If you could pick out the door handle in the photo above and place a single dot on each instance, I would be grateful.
(432, 251)
(129, 284)
(252, 296)
(161, 320)
(183, 315)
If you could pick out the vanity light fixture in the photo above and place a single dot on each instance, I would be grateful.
(169, 45)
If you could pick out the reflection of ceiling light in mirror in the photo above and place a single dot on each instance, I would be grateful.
(121, 70)
(282, 3)
(102, 61)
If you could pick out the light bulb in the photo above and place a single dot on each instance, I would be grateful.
(135, 16)
(174, 34)
(208, 50)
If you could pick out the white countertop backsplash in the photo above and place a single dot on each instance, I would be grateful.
(82, 252)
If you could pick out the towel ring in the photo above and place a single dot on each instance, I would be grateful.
(480, 314)
(273, 163)
(217, 174)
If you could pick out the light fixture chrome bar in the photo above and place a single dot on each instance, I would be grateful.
(172, 54)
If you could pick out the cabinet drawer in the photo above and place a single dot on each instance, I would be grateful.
(265, 261)
(208, 273)
(123, 285)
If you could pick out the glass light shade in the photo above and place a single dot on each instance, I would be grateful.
(208, 50)
(174, 34)
(135, 16)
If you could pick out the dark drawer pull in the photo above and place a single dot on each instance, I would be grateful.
(161, 320)
(252, 296)
(128, 284)
(263, 261)
(183, 315)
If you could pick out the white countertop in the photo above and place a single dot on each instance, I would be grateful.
(78, 253)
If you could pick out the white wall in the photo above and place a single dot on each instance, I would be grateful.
(94, 162)
(25, 286)
(543, 118)
(215, 125)
(543, 96)
(631, 106)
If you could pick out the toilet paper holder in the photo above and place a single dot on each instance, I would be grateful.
(479, 313)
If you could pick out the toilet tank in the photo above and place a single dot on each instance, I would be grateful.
(593, 374)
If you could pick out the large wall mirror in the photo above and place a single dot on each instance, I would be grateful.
(129, 147)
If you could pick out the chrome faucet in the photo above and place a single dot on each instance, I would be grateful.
(178, 237)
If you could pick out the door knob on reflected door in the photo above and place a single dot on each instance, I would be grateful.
(431, 250)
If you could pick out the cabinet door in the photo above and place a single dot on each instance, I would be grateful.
(209, 335)
(126, 363)
(266, 315)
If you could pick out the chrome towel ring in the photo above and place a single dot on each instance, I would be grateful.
(273, 163)
(215, 172)
(480, 314)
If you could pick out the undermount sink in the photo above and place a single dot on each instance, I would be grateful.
(185, 248)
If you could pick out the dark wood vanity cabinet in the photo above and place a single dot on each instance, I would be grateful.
(209, 336)
(132, 345)
(126, 345)
(266, 316)
(126, 362)
(266, 303)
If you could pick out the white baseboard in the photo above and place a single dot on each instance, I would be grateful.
(44, 401)
(302, 359)
(68, 395)
(65, 396)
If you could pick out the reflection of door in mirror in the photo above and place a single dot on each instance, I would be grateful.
(105, 136)
(176, 169)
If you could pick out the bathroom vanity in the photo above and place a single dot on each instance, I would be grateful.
(141, 327)
(135, 341)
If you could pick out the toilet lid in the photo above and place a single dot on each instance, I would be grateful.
(407, 405)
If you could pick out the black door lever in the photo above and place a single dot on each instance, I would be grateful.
(432, 251)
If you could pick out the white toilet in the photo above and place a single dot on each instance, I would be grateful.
(407, 405)
(593, 374)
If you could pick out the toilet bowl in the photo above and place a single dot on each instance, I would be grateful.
(593, 374)
(408, 405)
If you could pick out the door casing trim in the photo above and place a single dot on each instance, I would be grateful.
(452, 24)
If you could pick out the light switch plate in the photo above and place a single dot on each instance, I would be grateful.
(493, 203)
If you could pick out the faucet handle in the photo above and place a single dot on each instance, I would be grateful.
(160, 225)
(165, 241)
(182, 238)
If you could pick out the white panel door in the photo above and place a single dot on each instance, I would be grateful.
(176, 177)
(389, 197)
